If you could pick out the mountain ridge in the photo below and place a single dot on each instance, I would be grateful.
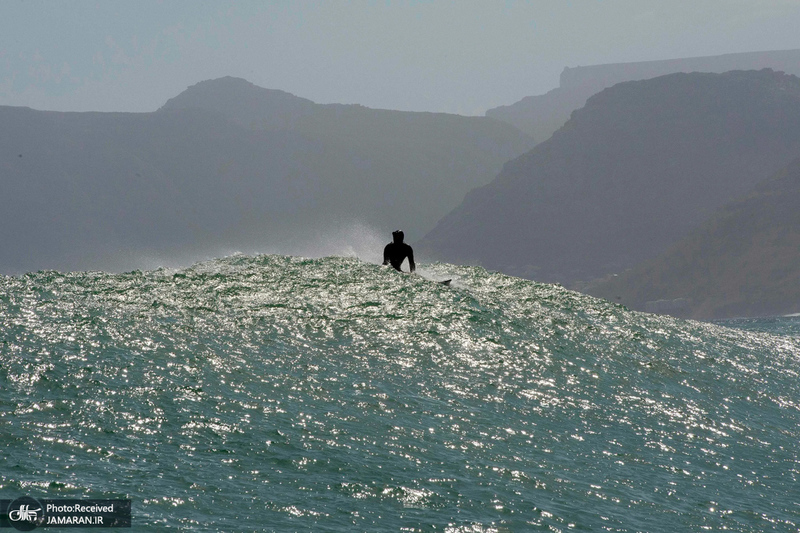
(542, 115)
(642, 164)
(109, 190)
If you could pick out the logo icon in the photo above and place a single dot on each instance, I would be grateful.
(26, 514)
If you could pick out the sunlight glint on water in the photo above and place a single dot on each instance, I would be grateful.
(277, 393)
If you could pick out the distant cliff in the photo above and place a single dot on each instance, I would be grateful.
(542, 115)
(631, 173)
(228, 166)
(387, 168)
(744, 261)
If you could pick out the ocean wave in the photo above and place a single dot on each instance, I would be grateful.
(282, 393)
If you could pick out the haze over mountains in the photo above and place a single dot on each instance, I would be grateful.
(631, 173)
(540, 116)
(229, 166)
(669, 194)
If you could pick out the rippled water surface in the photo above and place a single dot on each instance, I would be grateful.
(285, 394)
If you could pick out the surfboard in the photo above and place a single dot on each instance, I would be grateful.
(446, 282)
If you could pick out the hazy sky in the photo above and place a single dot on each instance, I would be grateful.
(458, 56)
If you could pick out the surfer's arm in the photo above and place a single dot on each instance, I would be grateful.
(386, 255)
(411, 264)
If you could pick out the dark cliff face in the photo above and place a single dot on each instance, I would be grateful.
(743, 261)
(631, 173)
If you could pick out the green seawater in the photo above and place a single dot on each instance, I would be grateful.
(274, 393)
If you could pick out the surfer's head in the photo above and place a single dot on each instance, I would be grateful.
(398, 236)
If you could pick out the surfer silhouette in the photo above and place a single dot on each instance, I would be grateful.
(396, 251)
